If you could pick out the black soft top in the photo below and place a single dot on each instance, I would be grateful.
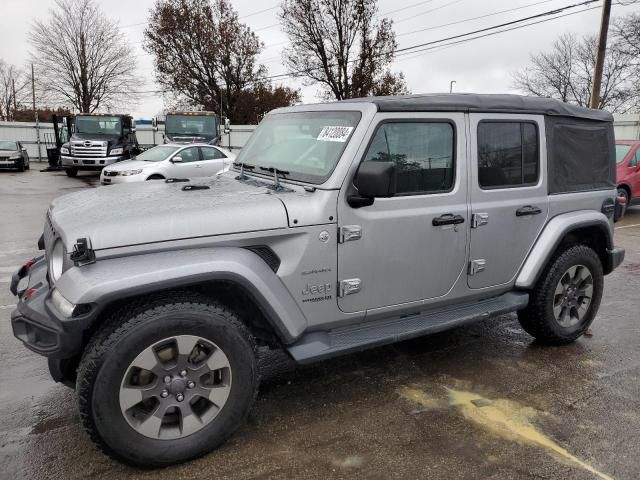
(485, 103)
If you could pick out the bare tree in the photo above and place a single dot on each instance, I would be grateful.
(14, 90)
(341, 45)
(566, 73)
(205, 57)
(82, 58)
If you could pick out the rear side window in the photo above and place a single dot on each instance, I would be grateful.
(423, 153)
(508, 154)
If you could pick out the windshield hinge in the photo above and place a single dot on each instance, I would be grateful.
(82, 253)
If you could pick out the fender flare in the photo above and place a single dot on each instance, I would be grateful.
(103, 282)
(552, 234)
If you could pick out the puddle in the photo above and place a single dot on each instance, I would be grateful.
(503, 418)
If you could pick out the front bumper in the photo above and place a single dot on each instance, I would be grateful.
(5, 163)
(89, 163)
(117, 179)
(614, 258)
(36, 322)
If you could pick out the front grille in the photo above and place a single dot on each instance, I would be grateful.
(88, 149)
(49, 232)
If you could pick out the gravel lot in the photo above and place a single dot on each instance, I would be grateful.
(477, 402)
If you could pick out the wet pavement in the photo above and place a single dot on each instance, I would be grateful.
(483, 401)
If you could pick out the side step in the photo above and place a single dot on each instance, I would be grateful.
(319, 345)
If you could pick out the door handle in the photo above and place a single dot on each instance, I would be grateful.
(447, 219)
(528, 210)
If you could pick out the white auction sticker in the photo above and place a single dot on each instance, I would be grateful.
(334, 134)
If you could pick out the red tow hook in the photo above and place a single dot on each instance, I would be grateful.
(29, 293)
(28, 264)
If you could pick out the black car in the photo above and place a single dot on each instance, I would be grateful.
(13, 155)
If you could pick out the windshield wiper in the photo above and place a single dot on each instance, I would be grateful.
(275, 172)
(243, 166)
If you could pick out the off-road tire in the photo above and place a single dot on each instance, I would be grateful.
(538, 320)
(129, 331)
(71, 172)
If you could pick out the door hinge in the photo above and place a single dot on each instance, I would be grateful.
(476, 266)
(349, 286)
(349, 233)
(478, 219)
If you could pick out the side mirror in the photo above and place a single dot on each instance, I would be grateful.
(227, 125)
(373, 180)
(176, 160)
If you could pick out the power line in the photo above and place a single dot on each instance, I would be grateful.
(472, 18)
(428, 11)
(433, 42)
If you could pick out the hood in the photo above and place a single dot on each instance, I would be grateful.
(146, 212)
(129, 165)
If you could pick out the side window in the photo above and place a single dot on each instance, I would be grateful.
(422, 151)
(211, 153)
(189, 154)
(508, 154)
(636, 159)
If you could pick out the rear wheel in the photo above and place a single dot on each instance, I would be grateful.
(566, 298)
(71, 172)
(167, 381)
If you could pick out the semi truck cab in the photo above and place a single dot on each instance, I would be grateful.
(192, 127)
(97, 140)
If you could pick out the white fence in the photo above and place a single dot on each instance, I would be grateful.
(25, 132)
(627, 127)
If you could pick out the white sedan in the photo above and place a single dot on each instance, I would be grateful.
(169, 161)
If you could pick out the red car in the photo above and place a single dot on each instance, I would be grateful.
(628, 170)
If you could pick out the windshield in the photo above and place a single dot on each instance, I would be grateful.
(306, 145)
(100, 125)
(191, 125)
(6, 145)
(157, 154)
(621, 152)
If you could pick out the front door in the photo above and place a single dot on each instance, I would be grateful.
(508, 194)
(190, 166)
(413, 246)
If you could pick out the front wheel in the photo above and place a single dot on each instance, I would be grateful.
(71, 172)
(566, 298)
(167, 381)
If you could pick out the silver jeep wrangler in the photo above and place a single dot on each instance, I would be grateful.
(341, 227)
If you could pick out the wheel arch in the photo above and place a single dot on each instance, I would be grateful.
(587, 227)
(156, 176)
(237, 277)
(627, 188)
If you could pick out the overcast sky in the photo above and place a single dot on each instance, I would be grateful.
(484, 65)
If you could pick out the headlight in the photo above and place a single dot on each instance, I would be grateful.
(17, 156)
(63, 305)
(56, 261)
(64, 151)
(126, 173)
(116, 151)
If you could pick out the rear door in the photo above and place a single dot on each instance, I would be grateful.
(212, 161)
(508, 194)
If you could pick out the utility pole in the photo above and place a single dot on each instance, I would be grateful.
(35, 112)
(602, 49)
